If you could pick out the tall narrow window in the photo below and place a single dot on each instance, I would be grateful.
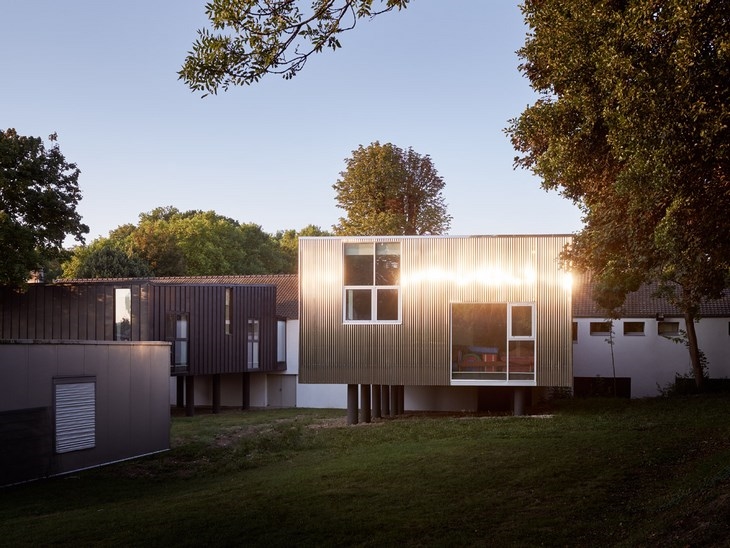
(371, 282)
(281, 341)
(178, 333)
(228, 310)
(123, 314)
(253, 344)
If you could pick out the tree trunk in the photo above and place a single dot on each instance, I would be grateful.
(694, 351)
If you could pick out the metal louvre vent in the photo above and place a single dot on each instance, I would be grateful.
(75, 416)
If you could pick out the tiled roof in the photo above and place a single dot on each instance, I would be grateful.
(287, 286)
(640, 304)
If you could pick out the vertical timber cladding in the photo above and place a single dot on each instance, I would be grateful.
(435, 272)
(210, 350)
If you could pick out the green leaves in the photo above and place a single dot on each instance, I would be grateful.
(388, 190)
(39, 193)
(634, 126)
(252, 38)
(169, 242)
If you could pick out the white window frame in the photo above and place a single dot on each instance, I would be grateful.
(373, 289)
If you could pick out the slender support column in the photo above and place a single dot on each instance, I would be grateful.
(393, 400)
(520, 396)
(385, 399)
(401, 399)
(180, 393)
(216, 393)
(190, 395)
(365, 403)
(351, 404)
(376, 401)
(245, 391)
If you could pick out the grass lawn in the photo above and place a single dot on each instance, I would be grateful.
(590, 473)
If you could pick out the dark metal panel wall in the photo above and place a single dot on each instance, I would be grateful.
(435, 272)
(210, 350)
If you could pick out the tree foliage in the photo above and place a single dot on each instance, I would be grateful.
(170, 242)
(633, 125)
(288, 241)
(388, 190)
(251, 38)
(39, 193)
(103, 259)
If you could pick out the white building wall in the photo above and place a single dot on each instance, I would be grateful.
(651, 361)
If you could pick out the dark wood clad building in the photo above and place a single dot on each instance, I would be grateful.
(215, 328)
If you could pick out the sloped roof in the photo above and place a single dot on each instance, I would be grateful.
(640, 304)
(287, 286)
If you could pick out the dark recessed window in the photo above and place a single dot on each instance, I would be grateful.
(668, 329)
(600, 328)
(633, 328)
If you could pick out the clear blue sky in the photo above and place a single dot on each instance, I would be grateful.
(440, 77)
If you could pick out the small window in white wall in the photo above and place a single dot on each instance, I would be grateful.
(600, 328)
(633, 329)
(575, 331)
(75, 414)
(668, 329)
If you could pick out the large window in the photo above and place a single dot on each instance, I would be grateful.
(123, 314)
(371, 282)
(493, 341)
(253, 344)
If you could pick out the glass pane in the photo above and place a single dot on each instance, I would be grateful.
(521, 321)
(387, 264)
(181, 328)
(280, 341)
(181, 352)
(123, 314)
(478, 340)
(358, 305)
(387, 304)
(253, 354)
(253, 330)
(358, 264)
(521, 357)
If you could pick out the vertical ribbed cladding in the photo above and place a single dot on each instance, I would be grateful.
(554, 338)
(435, 272)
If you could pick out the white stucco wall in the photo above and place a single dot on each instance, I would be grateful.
(650, 360)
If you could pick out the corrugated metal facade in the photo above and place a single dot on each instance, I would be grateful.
(435, 272)
(85, 311)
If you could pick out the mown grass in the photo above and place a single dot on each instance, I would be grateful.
(592, 473)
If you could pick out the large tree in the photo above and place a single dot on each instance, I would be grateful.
(633, 125)
(388, 190)
(252, 38)
(39, 193)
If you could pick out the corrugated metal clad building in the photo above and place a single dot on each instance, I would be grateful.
(435, 311)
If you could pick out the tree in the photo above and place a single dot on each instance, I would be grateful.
(387, 190)
(252, 38)
(101, 259)
(175, 243)
(633, 125)
(39, 193)
(288, 241)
